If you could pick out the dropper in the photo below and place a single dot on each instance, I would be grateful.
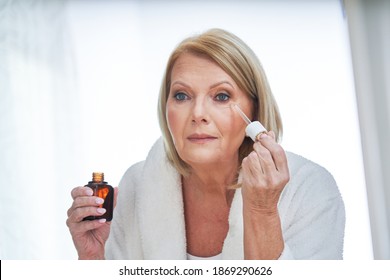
(253, 129)
(242, 114)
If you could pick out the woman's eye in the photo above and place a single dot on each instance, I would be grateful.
(180, 96)
(222, 97)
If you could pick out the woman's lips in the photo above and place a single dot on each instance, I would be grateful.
(201, 138)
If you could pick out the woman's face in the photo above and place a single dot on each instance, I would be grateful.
(204, 127)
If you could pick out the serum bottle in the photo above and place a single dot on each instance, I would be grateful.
(101, 189)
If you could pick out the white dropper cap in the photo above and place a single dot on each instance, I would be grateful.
(253, 129)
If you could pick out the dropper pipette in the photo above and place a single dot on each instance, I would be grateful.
(253, 129)
(242, 114)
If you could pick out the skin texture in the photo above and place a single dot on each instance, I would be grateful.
(199, 103)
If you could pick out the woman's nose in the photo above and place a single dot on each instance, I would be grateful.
(199, 111)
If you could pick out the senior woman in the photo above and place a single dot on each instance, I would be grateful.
(205, 190)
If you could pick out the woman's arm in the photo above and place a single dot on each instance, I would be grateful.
(265, 174)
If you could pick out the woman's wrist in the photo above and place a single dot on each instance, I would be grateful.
(261, 211)
(94, 256)
(263, 237)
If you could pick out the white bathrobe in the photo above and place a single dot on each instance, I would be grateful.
(149, 221)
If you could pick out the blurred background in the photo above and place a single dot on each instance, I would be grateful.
(79, 82)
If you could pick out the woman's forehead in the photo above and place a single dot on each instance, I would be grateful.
(188, 65)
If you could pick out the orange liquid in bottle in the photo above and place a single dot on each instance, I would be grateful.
(101, 189)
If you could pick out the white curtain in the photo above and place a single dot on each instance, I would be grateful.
(38, 131)
(369, 29)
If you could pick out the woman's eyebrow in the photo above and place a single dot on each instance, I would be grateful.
(180, 83)
(222, 82)
(212, 86)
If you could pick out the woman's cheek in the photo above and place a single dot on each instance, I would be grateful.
(174, 122)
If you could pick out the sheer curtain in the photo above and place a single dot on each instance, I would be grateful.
(369, 30)
(38, 128)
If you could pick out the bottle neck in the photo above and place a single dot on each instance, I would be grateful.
(97, 177)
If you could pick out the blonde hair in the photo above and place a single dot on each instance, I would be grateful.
(243, 66)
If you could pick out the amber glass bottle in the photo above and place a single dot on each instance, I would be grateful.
(102, 189)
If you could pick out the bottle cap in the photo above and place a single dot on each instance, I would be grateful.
(97, 177)
(253, 129)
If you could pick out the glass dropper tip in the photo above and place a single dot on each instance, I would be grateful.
(241, 113)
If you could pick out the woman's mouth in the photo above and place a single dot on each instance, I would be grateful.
(201, 138)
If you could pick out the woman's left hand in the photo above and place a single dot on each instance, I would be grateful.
(264, 175)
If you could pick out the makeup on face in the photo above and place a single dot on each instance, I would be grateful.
(203, 125)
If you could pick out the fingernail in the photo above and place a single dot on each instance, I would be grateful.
(88, 192)
(102, 221)
(263, 135)
(101, 210)
(99, 200)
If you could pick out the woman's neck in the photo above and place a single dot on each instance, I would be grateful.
(212, 181)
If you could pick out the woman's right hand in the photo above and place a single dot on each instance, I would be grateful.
(89, 237)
